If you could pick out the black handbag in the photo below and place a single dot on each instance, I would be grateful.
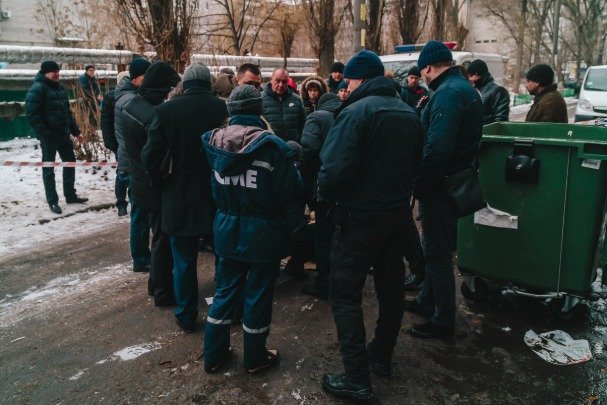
(465, 193)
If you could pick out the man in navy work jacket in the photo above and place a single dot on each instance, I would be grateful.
(369, 161)
(453, 120)
(253, 180)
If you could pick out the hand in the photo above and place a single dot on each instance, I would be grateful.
(79, 138)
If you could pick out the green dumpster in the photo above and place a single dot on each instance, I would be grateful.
(546, 186)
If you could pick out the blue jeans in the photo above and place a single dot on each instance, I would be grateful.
(185, 278)
(439, 228)
(123, 180)
(140, 234)
(256, 280)
(49, 148)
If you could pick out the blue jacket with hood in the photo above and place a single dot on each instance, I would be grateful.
(253, 180)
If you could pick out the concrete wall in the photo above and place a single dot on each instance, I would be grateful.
(21, 28)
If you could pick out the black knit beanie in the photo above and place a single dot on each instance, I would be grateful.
(49, 66)
(542, 74)
(478, 67)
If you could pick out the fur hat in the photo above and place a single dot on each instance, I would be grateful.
(364, 65)
(313, 82)
(478, 67)
(542, 74)
(433, 52)
(244, 100)
(49, 66)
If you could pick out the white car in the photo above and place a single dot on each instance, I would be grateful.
(407, 56)
(593, 95)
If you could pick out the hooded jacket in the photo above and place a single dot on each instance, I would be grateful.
(286, 116)
(47, 109)
(309, 106)
(125, 91)
(138, 115)
(253, 180)
(318, 125)
(496, 100)
(453, 120)
(187, 206)
(548, 106)
(372, 152)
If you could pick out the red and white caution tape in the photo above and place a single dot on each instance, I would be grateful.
(55, 164)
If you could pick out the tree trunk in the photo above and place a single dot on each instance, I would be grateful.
(376, 10)
(520, 47)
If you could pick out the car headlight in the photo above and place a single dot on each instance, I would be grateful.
(586, 103)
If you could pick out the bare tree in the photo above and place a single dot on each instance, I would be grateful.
(53, 18)
(235, 25)
(411, 16)
(166, 25)
(324, 20)
(589, 21)
(376, 11)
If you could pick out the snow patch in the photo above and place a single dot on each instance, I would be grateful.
(132, 352)
(77, 375)
(61, 292)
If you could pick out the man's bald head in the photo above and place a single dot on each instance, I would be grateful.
(280, 81)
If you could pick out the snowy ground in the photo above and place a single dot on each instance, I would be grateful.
(25, 219)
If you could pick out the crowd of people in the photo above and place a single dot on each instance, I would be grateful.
(245, 166)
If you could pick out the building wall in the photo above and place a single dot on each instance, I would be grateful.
(21, 28)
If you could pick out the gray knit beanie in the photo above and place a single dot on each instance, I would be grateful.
(244, 100)
(197, 71)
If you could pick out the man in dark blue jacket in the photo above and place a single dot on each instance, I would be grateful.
(318, 125)
(369, 162)
(453, 120)
(253, 180)
(47, 109)
(174, 160)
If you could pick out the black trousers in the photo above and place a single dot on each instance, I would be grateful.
(160, 281)
(379, 240)
(414, 252)
(50, 147)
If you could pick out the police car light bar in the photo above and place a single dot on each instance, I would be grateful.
(418, 47)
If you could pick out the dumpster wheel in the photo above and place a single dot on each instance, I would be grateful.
(474, 289)
(566, 308)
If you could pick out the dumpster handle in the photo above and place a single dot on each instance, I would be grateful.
(581, 154)
(516, 291)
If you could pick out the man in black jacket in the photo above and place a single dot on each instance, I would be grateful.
(48, 112)
(108, 131)
(496, 99)
(315, 132)
(187, 205)
(453, 120)
(138, 115)
(369, 161)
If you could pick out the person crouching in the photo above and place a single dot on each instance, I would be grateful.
(253, 180)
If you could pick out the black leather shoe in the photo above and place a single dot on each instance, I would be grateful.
(76, 200)
(316, 291)
(413, 307)
(122, 211)
(215, 367)
(141, 269)
(186, 326)
(295, 271)
(164, 302)
(272, 359)
(55, 208)
(430, 330)
(341, 386)
(379, 368)
(413, 282)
